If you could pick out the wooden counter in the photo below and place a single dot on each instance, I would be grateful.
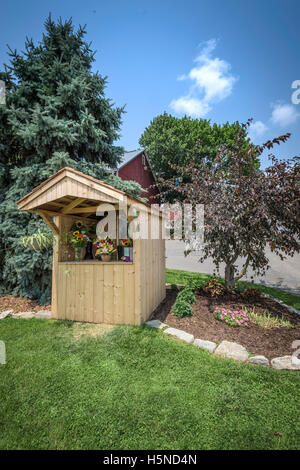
(96, 291)
(94, 261)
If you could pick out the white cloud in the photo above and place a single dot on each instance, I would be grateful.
(207, 48)
(182, 77)
(211, 83)
(257, 129)
(213, 78)
(284, 114)
(190, 106)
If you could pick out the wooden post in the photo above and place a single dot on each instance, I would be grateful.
(56, 241)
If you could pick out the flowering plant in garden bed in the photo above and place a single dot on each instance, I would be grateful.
(231, 317)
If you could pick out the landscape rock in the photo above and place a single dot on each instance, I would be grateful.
(156, 324)
(208, 345)
(6, 313)
(43, 314)
(180, 334)
(232, 350)
(25, 315)
(261, 360)
(284, 362)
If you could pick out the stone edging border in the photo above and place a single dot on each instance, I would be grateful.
(228, 349)
(25, 315)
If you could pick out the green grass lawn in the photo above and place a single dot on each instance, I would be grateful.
(174, 276)
(136, 388)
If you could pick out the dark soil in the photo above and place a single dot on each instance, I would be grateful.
(271, 343)
(18, 304)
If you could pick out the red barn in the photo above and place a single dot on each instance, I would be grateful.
(137, 167)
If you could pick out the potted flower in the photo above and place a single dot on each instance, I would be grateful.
(125, 242)
(124, 249)
(104, 249)
(78, 238)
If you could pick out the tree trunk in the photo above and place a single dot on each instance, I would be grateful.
(229, 276)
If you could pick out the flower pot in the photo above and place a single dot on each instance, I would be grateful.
(78, 253)
(106, 258)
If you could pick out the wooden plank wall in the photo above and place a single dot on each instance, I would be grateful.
(108, 293)
(150, 262)
(96, 292)
(153, 284)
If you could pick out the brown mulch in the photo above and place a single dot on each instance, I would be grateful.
(257, 340)
(18, 304)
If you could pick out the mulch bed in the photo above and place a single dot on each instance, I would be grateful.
(18, 304)
(257, 340)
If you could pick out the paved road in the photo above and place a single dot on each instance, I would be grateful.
(282, 274)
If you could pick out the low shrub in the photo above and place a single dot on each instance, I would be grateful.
(195, 283)
(214, 288)
(187, 295)
(232, 318)
(182, 309)
(239, 288)
(250, 293)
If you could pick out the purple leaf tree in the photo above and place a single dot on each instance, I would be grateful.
(245, 208)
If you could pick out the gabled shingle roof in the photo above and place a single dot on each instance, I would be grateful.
(89, 188)
(128, 156)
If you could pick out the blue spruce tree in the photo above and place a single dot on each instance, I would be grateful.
(56, 115)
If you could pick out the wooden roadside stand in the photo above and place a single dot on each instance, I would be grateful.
(116, 292)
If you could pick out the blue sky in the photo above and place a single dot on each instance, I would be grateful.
(222, 60)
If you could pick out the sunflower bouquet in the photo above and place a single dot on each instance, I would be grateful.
(78, 236)
(125, 242)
